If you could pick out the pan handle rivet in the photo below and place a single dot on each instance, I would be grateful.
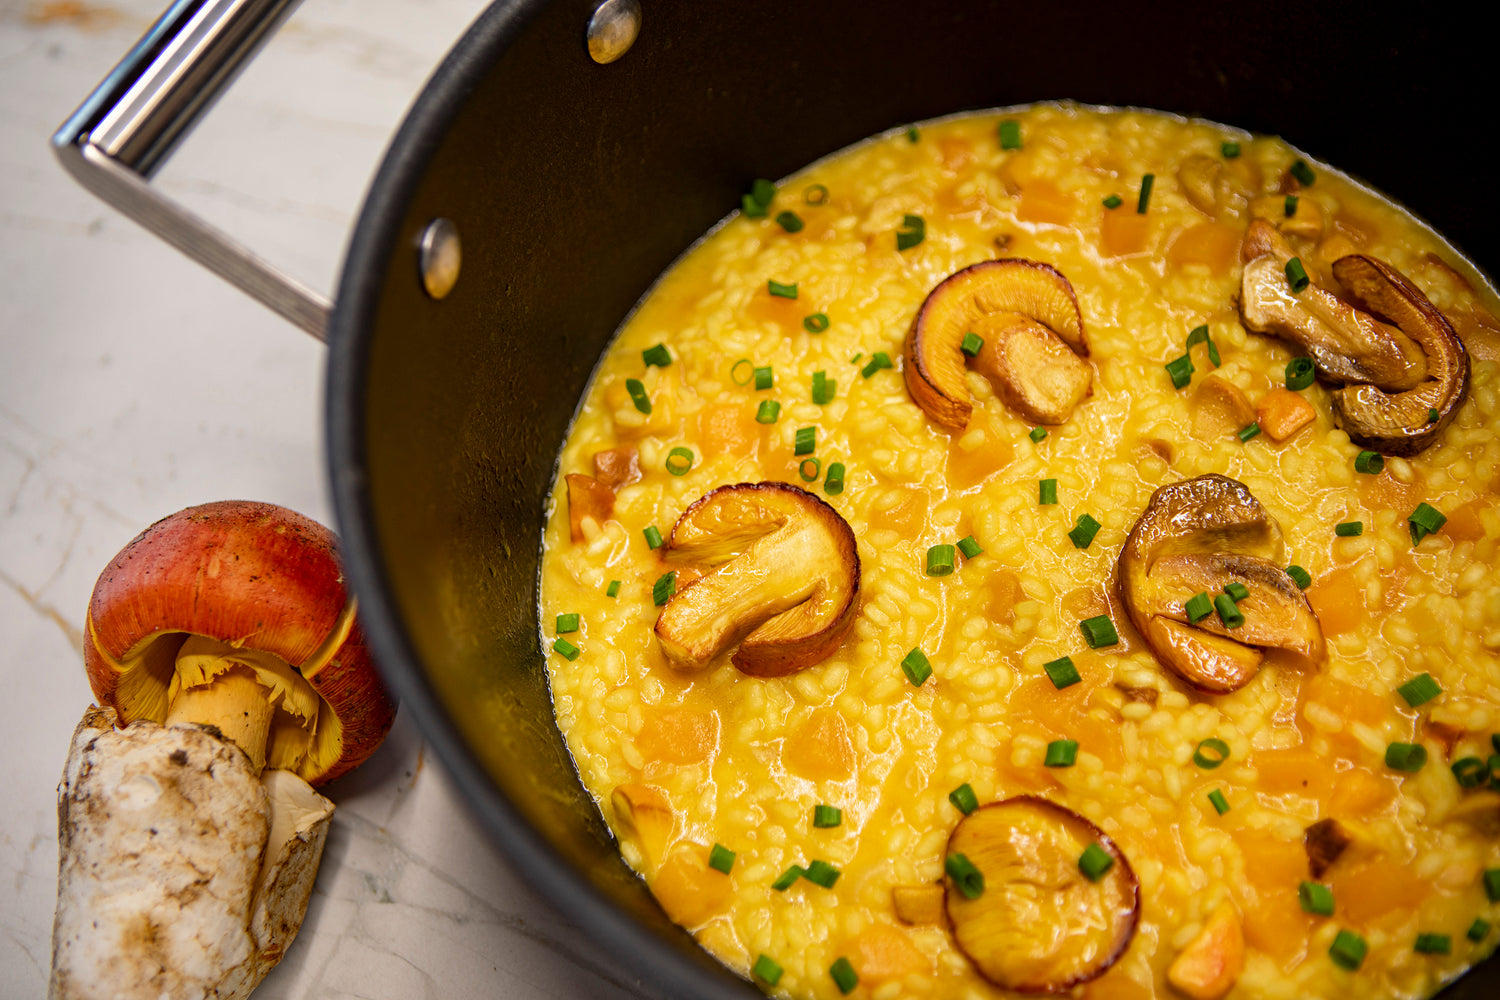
(613, 29)
(438, 257)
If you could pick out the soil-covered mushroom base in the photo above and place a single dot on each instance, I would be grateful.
(803, 826)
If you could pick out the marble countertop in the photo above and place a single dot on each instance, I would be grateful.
(133, 383)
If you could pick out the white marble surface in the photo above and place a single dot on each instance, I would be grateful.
(132, 384)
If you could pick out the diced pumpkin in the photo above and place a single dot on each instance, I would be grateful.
(1351, 701)
(1042, 201)
(1361, 793)
(1004, 593)
(1282, 413)
(587, 499)
(1215, 245)
(919, 904)
(1101, 737)
(1037, 700)
(1464, 524)
(1123, 232)
(1375, 888)
(1386, 492)
(1116, 984)
(617, 467)
(970, 466)
(678, 735)
(904, 511)
(1338, 599)
(1212, 962)
(955, 152)
(883, 951)
(1218, 408)
(691, 892)
(644, 815)
(820, 749)
(728, 429)
(1293, 771)
(778, 310)
(1272, 916)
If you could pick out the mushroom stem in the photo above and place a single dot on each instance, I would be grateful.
(237, 704)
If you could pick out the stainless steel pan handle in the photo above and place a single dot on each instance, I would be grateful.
(130, 124)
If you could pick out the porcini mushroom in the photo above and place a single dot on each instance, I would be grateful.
(1396, 357)
(1027, 316)
(1198, 537)
(784, 583)
(1054, 903)
(226, 654)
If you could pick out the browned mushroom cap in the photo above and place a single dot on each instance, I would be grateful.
(1396, 354)
(1039, 925)
(1027, 315)
(1198, 536)
(786, 586)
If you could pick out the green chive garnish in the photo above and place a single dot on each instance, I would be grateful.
(657, 355)
(809, 469)
(1229, 149)
(1010, 134)
(1061, 753)
(844, 976)
(1296, 274)
(613, 590)
(679, 461)
(1470, 772)
(806, 441)
(1289, 207)
(1432, 415)
(1405, 756)
(1236, 590)
(1113, 201)
(940, 560)
(1302, 172)
(966, 878)
(1099, 631)
(1248, 432)
(1315, 897)
(566, 648)
(567, 623)
(780, 290)
(766, 970)
(964, 799)
(913, 231)
(972, 343)
(1210, 753)
(1200, 335)
(1478, 929)
(1084, 531)
(664, 587)
(916, 668)
(816, 194)
(1180, 370)
(1424, 521)
(1433, 944)
(1369, 462)
(742, 371)
(1300, 373)
(653, 536)
(827, 816)
(1492, 884)
(969, 547)
(877, 361)
(721, 859)
(1061, 672)
(1348, 950)
(790, 221)
(1420, 690)
(638, 395)
(1145, 197)
(823, 388)
(764, 378)
(767, 411)
(816, 323)
(1229, 612)
(788, 878)
(833, 483)
(1301, 577)
(1047, 492)
(821, 873)
(1349, 529)
(1220, 803)
(755, 202)
(912, 135)
(1198, 607)
(1095, 860)
(1037, 433)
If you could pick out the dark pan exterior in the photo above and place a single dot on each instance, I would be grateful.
(573, 185)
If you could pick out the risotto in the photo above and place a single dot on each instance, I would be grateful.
(1132, 623)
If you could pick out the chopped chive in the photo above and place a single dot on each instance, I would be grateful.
(877, 361)
(1229, 149)
(1315, 897)
(766, 970)
(1492, 884)
(764, 378)
(742, 371)
(653, 536)
(821, 873)
(1247, 432)
(1047, 492)
(1296, 274)
(968, 879)
(1200, 335)
(1144, 200)
(1084, 531)
(1369, 462)
(657, 355)
(805, 441)
(1300, 373)
(827, 816)
(664, 587)
(1010, 134)
(1061, 672)
(750, 208)
(1061, 753)
(1301, 577)
(972, 343)
(1037, 433)
(816, 194)
(1432, 415)
(916, 667)
(1095, 860)
(1198, 607)
(816, 323)
(1113, 201)
(1210, 753)
(790, 221)
(566, 648)
(1229, 612)
(767, 411)
(844, 976)
(1289, 207)
(1348, 950)
(1478, 929)
(679, 461)
(1220, 803)
(1180, 370)
(1099, 631)
(1420, 690)
(855, 360)
(940, 560)
(762, 191)
(638, 395)
(1236, 590)
(721, 859)
(823, 388)
(964, 799)
(1405, 756)
(912, 135)
(1303, 173)
(1424, 521)
(969, 547)
(613, 590)
(913, 231)
(1349, 529)
(833, 483)
(1433, 944)
(1492, 771)
(788, 878)
(809, 469)
(780, 290)
(1470, 772)
(567, 623)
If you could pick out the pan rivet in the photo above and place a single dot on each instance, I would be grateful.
(613, 28)
(438, 255)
